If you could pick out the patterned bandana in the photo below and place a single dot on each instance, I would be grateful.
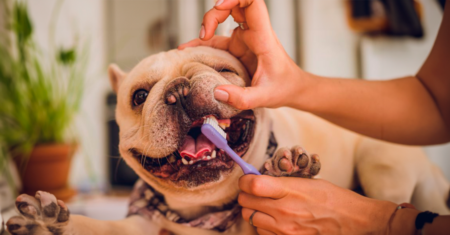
(148, 202)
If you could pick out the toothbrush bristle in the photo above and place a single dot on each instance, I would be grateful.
(214, 123)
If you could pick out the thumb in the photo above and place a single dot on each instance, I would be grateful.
(242, 98)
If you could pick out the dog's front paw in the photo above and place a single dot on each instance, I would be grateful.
(42, 214)
(293, 162)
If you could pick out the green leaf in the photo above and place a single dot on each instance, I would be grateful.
(67, 57)
(39, 95)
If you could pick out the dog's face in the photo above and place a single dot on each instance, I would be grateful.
(161, 105)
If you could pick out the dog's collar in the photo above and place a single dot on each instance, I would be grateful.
(148, 202)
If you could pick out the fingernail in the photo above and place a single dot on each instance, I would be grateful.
(221, 95)
(202, 32)
(218, 3)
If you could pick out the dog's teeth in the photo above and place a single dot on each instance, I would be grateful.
(172, 158)
(185, 162)
(224, 125)
(191, 162)
(213, 155)
(208, 158)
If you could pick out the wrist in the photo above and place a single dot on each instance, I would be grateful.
(403, 222)
(380, 216)
(304, 94)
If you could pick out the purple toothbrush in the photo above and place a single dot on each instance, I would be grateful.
(217, 136)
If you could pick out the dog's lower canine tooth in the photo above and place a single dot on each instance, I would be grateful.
(213, 155)
(185, 162)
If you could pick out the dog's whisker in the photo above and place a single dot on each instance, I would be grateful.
(145, 159)
(160, 167)
(117, 168)
(169, 161)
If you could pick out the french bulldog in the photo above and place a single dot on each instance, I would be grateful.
(162, 103)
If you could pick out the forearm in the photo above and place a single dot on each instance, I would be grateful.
(440, 226)
(403, 223)
(399, 110)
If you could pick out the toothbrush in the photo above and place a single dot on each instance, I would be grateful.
(217, 136)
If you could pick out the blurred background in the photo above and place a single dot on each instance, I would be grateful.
(340, 38)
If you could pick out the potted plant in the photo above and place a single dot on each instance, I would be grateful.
(39, 98)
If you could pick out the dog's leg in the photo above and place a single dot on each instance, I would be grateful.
(294, 162)
(388, 171)
(44, 214)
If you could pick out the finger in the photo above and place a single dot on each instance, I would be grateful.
(211, 20)
(264, 186)
(256, 13)
(259, 219)
(261, 231)
(218, 42)
(242, 98)
(239, 47)
(266, 205)
(238, 14)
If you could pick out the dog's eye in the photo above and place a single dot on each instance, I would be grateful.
(139, 97)
(225, 70)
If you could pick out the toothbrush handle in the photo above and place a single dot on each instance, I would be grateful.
(246, 168)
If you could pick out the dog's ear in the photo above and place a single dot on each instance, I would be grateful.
(116, 76)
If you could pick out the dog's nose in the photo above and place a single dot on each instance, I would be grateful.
(177, 91)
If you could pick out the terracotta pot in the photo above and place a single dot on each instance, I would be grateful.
(47, 170)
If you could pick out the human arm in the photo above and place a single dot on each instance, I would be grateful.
(304, 206)
(410, 110)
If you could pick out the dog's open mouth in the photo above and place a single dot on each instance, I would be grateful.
(198, 160)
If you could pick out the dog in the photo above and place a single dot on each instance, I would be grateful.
(188, 186)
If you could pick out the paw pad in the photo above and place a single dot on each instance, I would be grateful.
(42, 214)
(293, 162)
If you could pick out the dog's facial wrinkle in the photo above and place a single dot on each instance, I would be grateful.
(164, 125)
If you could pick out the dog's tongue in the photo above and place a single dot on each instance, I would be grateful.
(196, 148)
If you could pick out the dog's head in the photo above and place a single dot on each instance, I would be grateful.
(161, 106)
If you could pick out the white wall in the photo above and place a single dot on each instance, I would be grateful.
(283, 19)
(83, 19)
(389, 57)
(128, 29)
(188, 20)
(328, 47)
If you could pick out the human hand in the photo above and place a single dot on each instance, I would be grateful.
(305, 206)
(276, 78)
